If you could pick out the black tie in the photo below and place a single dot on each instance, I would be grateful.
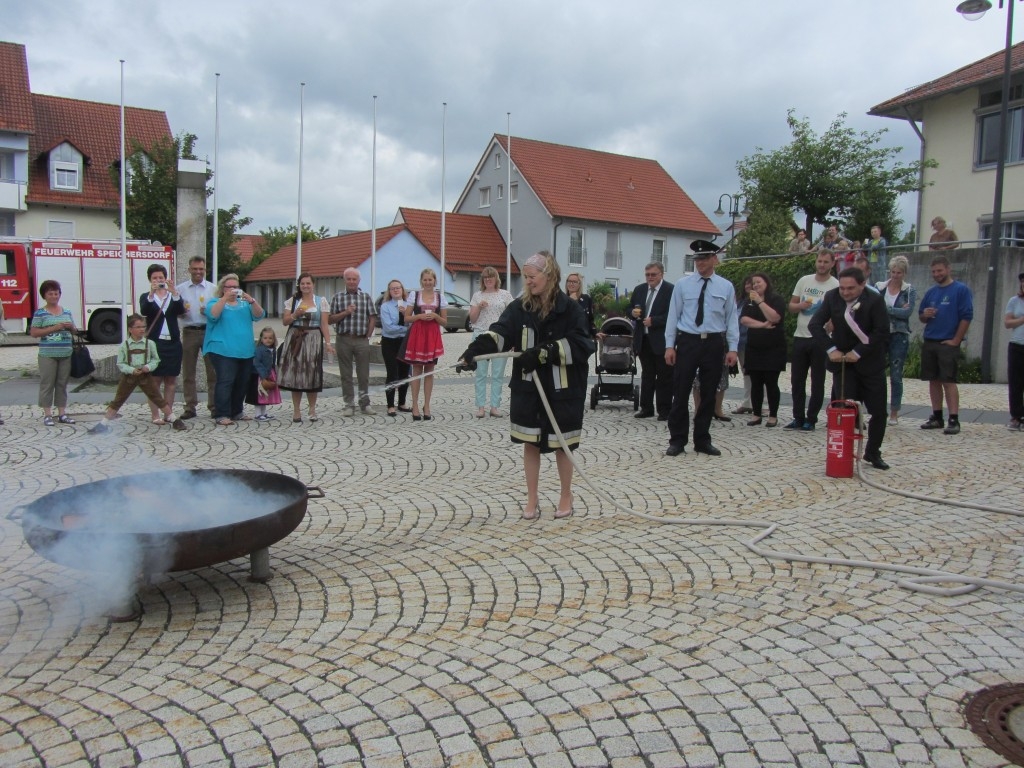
(700, 302)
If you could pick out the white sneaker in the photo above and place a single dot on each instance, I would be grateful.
(1014, 425)
(263, 417)
(348, 410)
(368, 411)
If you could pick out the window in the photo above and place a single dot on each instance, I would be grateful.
(7, 166)
(658, 250)
(501, 191)
(1013, 233)
(485, 197)
(65, 168)
(513, 192)
(987, 131)
(988, 138)
(62, 229)
(497, 159)
(613, 251)
(6, 225)
(577, 248)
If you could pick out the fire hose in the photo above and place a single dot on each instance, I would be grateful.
(918, 579)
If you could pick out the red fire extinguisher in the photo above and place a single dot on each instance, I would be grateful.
(843, 417)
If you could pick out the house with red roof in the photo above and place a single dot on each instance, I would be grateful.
(56, 154)
(601, 214)
(403, 250)
(956, 117)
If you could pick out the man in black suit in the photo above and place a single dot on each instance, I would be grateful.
(859, 340)
(650, 302)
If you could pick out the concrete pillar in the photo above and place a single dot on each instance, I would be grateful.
(191, 215)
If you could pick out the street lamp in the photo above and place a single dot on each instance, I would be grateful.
(973, 10)
(734, 210)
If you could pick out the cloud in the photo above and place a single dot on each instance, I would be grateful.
(695, 86)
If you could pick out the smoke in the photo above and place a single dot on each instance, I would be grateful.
(116, 532)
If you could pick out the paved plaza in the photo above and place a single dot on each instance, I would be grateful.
(413, 619)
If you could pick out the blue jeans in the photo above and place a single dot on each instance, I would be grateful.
(493, 371)
(232, 381)
(899, 343)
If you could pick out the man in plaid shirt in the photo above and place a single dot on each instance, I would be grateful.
(354, 317)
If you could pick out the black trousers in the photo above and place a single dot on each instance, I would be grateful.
(807, 356)
(867, 388)
(1015, 379)
(695, 354)
(394, 369)
(655, 379)
(762, 382)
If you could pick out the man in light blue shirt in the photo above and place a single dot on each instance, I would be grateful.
(702, 330)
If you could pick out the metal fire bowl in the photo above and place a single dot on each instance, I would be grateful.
(44, 522)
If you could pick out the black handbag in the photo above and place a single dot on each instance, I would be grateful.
(81, 360)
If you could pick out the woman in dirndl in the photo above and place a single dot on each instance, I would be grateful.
(302, 358)
(162, 307)
(426, 312)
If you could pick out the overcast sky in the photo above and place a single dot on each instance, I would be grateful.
(695, 85)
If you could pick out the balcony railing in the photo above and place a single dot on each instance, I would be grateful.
(12, 195)
(577, 256)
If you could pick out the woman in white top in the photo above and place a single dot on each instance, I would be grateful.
(485, 308)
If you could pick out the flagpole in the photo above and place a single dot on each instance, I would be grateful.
(373, 209)
(444, 116)
(508, 204)
(298, 228)
(216, 178)
(124, 222)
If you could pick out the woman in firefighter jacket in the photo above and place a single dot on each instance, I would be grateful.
(550, 330)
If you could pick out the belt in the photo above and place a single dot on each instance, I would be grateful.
(701, 336)
(165, 338)
(355, 335)
(195, 327)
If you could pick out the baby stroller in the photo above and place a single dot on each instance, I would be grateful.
(615, 358)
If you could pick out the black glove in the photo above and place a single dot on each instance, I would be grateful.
(483, 344)
(534, 357)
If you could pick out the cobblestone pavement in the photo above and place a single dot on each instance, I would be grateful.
(415, 620)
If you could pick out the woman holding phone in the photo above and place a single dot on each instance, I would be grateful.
(229, 343)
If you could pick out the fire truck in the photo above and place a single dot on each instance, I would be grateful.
(90, 278)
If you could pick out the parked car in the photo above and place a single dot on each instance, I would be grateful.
(458, 313)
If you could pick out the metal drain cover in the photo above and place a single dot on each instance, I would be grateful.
(996, 715)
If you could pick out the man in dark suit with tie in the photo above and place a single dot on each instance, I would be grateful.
(650, 302)
(856, 350)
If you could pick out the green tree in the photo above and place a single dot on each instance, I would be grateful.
(841, 177)
(769, 229)
(276, 238)
(228, 223)
(151, 206)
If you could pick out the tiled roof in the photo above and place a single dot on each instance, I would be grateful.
(245, 246)
(982, 71)
(15, 94)
(95, 130)
(322, 258)
(601, 186)
(471, 242)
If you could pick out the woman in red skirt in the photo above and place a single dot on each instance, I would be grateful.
(425, 313)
